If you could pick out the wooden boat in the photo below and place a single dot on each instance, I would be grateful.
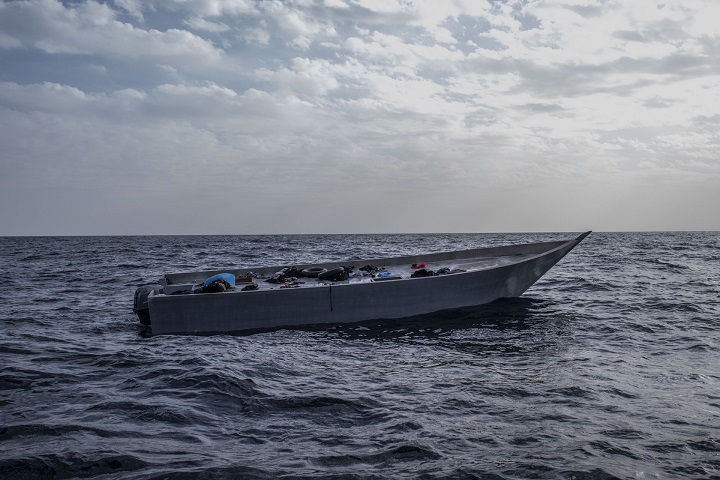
(387, 288)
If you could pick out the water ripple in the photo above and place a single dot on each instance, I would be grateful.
(606, 369)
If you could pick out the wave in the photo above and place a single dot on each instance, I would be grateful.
(70, 466)
(572, 380)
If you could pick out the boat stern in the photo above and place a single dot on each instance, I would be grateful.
(140, 301)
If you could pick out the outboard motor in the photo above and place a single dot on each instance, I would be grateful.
(140, 302)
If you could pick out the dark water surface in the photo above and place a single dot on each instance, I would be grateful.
(609, 367)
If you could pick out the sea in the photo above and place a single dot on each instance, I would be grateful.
(607, 368)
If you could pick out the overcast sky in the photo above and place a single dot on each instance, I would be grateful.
(355, 116)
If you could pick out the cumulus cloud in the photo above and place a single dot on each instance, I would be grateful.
(91, 28)
(196, 8)
(198, 23)
(361, 105)
(133, 7)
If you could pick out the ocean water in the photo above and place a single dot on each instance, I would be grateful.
(609, 367)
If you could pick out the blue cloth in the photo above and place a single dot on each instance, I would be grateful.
(228, 277)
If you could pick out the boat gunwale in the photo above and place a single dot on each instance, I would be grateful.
(401, 260)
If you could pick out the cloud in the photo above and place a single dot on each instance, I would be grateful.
(92, 29)
(198, 23)
(196, 8)
(346, 108)
(133, 7)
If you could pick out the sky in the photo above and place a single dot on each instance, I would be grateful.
(132, 117)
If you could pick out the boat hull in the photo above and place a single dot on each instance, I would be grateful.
(355, 302)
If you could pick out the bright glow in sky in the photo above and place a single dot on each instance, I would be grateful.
(358, 116)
